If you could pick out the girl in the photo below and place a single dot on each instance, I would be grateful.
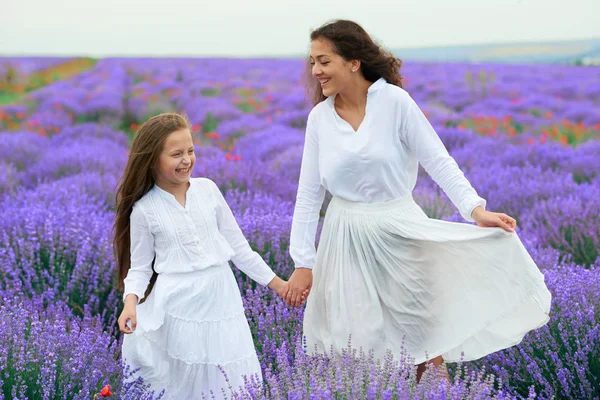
(178, 234)
(383, 270)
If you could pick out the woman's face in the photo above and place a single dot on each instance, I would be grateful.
(333, 72)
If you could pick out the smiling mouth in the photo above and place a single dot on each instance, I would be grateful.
(183, 171)
(324, 81)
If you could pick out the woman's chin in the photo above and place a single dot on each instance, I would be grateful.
(327, 92)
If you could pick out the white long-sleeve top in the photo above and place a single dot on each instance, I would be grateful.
(204, 233)
(376, 163)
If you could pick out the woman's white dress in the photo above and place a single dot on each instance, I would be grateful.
(191, 330)
(385, 275)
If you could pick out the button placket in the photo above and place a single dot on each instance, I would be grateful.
(194, 230)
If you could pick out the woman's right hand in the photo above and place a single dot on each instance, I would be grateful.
(299, 286)
(281, 287)
(128, 314)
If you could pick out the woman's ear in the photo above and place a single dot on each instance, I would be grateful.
(355, 65)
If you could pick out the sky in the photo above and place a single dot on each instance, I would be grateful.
(243, 28)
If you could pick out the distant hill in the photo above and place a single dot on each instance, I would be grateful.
(564, 52)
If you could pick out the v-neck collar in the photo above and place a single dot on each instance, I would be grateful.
(375, 86)
(171, 197)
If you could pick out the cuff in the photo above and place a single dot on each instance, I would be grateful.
(139, 296)
(304, 266)
(269, 277)
(468, 208)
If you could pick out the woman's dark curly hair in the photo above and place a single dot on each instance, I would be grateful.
(352, 42)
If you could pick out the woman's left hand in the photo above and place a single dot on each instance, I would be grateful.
(488, 219)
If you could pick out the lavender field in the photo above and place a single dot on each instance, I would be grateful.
(527, 137)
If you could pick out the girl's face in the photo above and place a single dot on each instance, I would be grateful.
(333, 72)
(175, 163)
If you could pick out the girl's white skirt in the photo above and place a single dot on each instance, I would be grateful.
(190, 330)
(385, 271)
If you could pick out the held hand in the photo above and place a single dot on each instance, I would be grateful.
(487, 219)
(281, 287)
(128, 315)
(299, 285)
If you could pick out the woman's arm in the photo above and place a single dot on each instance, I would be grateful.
(309, 200)
(431, 153)
(427, 146)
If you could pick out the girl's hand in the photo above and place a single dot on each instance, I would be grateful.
(281, 287)
(128, 315)
(487, 219)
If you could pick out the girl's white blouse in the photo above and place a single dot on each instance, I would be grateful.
(181, 239)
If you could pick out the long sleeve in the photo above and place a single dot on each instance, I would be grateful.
(142, 255)
(431, 153)
(309, 199)
(247, 260)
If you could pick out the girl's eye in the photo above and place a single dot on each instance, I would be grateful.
(325, 63)
(191, 151)
(176, 155)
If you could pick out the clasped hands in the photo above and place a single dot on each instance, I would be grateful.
(296, 290)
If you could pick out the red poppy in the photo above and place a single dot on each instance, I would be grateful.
(105, 392)
(228, 156)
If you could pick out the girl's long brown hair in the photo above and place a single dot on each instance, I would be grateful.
(137, 180)
(349, 40)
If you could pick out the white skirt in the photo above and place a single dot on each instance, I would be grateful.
(191, 326)
(388, 277)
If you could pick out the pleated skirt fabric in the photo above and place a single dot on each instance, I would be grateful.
(191, 333)
(387, 277)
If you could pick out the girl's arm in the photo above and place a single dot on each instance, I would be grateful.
(247, 260)
(422, 139)
(142, 255)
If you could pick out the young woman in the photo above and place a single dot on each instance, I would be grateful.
(384, 273)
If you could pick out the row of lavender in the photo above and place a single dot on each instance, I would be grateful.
(23, 66)
(65, 147)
